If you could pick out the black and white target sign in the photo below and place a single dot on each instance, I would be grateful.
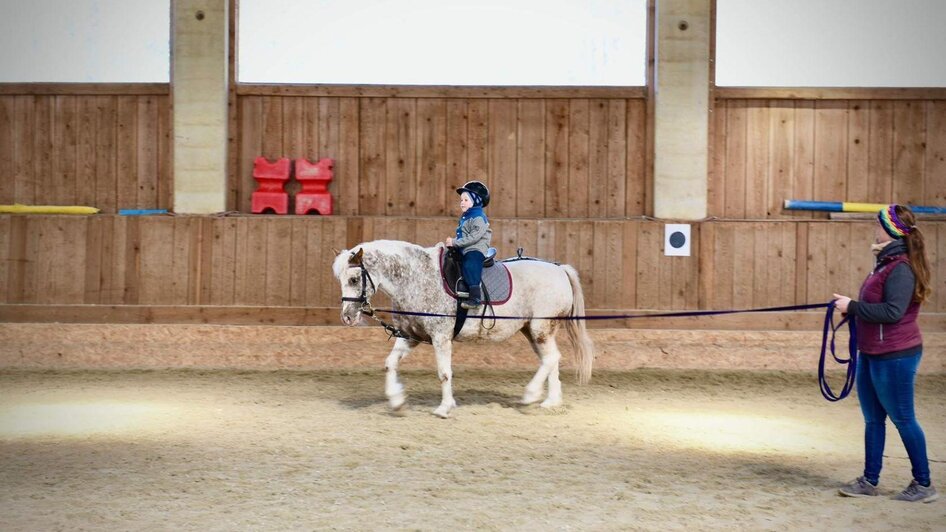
(677, 240)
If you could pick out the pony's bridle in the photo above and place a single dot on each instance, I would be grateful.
(363, 297)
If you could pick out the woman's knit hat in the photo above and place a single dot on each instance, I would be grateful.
(892, 224)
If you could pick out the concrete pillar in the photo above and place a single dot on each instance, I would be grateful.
(681, 109)
(199, 45)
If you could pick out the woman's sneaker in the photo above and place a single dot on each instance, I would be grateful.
(858, 487)
(917, 492)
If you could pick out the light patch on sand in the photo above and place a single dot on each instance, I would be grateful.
(75, 418)
(729, 432)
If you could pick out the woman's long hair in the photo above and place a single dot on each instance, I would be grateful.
(916, 250)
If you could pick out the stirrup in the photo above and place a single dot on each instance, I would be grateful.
(461, 290)
(470, 304)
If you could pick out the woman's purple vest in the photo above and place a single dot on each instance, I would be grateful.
(879, 338)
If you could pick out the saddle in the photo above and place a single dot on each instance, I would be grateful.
(496, 282)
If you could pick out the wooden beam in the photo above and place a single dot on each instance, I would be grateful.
(829, 93)
(439, 91)
(83, 89)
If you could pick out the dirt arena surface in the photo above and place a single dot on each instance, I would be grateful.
(642, 450)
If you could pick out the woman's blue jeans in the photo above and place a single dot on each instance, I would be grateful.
(885, 388)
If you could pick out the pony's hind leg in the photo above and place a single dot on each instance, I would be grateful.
(541, 335)
(392, 386)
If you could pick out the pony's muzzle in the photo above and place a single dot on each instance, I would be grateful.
(352, 315)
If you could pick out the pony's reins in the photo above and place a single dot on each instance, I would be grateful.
(826, 345)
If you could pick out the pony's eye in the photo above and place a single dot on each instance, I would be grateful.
(353, 281)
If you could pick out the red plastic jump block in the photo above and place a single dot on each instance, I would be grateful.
(271, 176)
(314, 177)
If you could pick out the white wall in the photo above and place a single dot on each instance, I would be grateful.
(85, 40)
(831, 43)
(443, 42)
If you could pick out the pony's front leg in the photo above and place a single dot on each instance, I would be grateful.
(392, 386)
(443, 348)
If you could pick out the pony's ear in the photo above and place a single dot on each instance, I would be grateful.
(355, 259)
(336, 252)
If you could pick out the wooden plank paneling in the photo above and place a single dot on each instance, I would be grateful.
(503, 117)
(278, 235)
(5, 257)
(858, 158)
(557, 194)
(147, 167)
(67, 149)
(44, 183)
(372, 190)
(85, 179)
(836, 150)
(458, 158)
(818, 286)
(251, 146)
(934, 183)
(908, 159)
(65, 140)
(7, 152)
(830, 150)
(579, 134)
(106, 154)
(617, 159)
(478, 140)
(530, 160)
(781, 147)
(433, 191)
(648, 265)
(317, 272)
(757, 160)
(224, 261)
(598, 159)
(734, 180)
(744, 269)
(417, 149)
(297, 262)
(716, 180)
(23, 126)
(879, 182)
(637, 191)
(158, 283)
(402, 188)
(127, 146)
(803, 167)
(271, 130)
(282, 261)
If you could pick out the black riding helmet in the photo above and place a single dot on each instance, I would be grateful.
(477, 188)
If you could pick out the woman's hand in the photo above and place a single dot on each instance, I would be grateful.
(841, 303)
(448, 241)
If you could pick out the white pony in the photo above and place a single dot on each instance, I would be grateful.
(410, 275)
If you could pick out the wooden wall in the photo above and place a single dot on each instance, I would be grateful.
(101, 146)
(543, 157)
(874, 151)
(278, 261)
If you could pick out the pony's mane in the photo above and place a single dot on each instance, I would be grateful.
(398, 248)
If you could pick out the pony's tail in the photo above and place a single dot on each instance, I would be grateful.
(577, 330)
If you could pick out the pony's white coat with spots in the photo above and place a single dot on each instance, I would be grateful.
(410, 275)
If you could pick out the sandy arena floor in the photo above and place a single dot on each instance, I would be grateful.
(189, 450)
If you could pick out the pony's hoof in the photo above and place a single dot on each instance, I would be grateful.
(530, 398)
(397, 402)
(443, 411)
(549, 403)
